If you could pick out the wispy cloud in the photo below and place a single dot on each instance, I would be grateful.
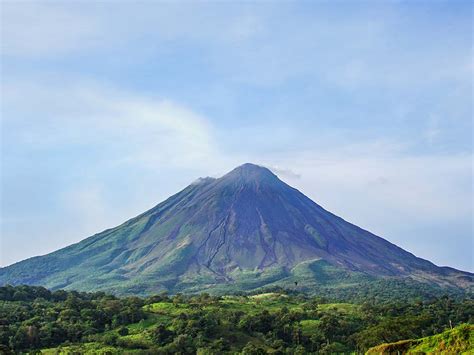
(284, 172)
(129, 127)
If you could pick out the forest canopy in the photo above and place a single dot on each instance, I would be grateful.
(34, 318)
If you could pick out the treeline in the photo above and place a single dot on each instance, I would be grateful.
(378, 291)
(34, 318)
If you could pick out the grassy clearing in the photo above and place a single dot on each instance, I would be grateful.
(309, 326)
(87, 348)
(167, 308)
(346, 308)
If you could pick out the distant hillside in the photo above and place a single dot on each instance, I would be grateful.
(459, 340)
(243, 231)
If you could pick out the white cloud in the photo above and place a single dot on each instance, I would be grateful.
(284, 172)
(421, 187)
(133, 129)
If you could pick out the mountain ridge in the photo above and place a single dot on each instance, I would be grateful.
(217, 232)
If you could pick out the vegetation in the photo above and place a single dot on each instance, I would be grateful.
(459, 340)
(34, 318)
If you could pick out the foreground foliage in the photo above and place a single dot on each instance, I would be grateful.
(34, 318)
(459, 340)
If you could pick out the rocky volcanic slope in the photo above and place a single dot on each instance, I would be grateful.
(246, 229)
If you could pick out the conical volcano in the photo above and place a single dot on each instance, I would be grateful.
(244, 230)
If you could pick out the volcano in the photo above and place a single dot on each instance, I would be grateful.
(243, 231)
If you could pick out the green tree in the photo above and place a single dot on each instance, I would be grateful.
(252, 349)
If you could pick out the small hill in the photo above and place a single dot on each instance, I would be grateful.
(459, 340)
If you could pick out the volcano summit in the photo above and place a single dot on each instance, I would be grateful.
(243, 231)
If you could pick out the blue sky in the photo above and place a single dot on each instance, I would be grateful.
(366, 107)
